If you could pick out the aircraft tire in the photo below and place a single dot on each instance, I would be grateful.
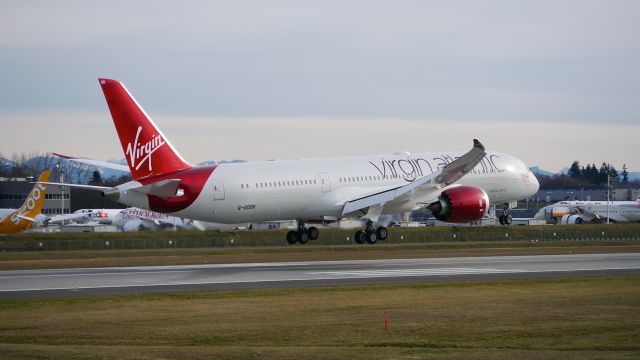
(302, 237)
(292, 237)
(360, 237)
(382, 233)
(372, 238)
(313, 233)
(508, 219)
(501, 219)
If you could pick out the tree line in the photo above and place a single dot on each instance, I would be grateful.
(589, 176)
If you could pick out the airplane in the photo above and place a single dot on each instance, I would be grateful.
(457, 187)
(18, 220)
(580, 212)
(137, 219)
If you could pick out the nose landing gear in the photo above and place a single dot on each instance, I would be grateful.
(505, 218)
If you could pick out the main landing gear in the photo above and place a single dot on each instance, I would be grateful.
(371, 235)
(505, 218)
(303, 234)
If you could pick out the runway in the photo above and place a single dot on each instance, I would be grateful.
(165, 279)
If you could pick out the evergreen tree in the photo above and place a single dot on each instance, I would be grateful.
(613, 172)
(624, 175)
(574, 170)
(603, 172)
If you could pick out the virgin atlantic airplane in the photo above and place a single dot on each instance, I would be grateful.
(457, 187)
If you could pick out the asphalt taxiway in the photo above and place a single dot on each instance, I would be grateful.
(165, 279)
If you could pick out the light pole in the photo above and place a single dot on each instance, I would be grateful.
(61, 172)
(608, 189)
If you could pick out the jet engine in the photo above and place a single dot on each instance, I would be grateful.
(573, 219)
(460, 204)
(133, 226)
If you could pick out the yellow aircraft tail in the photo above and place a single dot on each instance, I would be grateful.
(24, 218)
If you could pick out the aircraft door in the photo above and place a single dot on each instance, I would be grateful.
(218, 189)
(325, 182)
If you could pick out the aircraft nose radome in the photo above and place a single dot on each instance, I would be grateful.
(534, 181)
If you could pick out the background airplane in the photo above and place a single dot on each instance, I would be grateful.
(18, 220)
(579, 212)
(455, 186)
(136, 219)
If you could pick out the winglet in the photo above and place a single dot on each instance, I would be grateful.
(477, 144)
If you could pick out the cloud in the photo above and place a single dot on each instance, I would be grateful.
(200, 138)
(499, 68)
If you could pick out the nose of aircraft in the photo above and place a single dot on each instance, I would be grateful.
(534, 181)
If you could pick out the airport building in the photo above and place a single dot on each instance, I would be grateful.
(583, 194)
(14, 191)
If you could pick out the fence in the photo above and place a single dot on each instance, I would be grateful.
(221, 239)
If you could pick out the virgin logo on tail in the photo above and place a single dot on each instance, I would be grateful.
(142, 152)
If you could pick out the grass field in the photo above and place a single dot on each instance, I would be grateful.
(585, 318)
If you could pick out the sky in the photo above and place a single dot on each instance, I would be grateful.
(546, 81)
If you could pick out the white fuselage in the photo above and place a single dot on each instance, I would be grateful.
(317, 189)
(618, 211)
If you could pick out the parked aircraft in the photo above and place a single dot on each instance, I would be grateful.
(579, 212)
(18, 220)
(455, 186)
(136, 219)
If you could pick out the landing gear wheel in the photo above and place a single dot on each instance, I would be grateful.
(313, 233)
(382, 233)
(371, 238)
(360, 237)
(501, 219)
(292, 237)
(508, 219)
(302, 237)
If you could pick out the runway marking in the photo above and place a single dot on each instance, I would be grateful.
(414, 272)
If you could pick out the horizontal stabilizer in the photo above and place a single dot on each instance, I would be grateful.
(164, 188)
(27, 218)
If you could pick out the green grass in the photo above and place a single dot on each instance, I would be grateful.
(586, 318)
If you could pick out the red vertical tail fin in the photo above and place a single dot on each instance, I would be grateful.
(147, 150)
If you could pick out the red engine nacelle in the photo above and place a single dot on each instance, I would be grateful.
(460, 204)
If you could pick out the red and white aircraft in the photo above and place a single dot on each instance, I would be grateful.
(456, 186)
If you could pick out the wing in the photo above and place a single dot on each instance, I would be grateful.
(448, 175)
(104, 164)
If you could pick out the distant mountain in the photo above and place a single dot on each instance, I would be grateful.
(5, 163)
(537, 171)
